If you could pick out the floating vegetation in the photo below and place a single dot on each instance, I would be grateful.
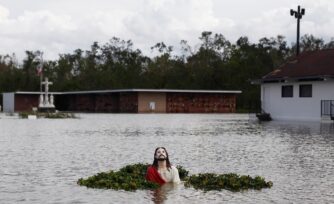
(129, 178)
(182, 172)
(132, 177)
(231, 181)
(60, 115)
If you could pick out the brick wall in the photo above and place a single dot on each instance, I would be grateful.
(107, 103)
(82, 102)
(128, 102)
(200, 103)
(133, 102)
(25, 102)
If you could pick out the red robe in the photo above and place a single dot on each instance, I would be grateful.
(153, 176)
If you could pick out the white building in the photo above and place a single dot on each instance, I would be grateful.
(301, 89)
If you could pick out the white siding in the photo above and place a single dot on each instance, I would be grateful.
(296, 108)
(8, 102)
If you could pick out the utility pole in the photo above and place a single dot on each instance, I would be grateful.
(298, 14)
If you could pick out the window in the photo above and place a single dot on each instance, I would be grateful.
(305, 90)
(287, 91)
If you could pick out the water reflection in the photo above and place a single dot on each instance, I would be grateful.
(160, 195)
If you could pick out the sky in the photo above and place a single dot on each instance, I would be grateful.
(62, 26)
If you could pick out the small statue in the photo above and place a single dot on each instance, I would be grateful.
(51, 100)
(41, 101)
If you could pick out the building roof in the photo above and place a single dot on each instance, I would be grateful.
(35, 92)
(313, 65)
(137, 90)
(154, 90)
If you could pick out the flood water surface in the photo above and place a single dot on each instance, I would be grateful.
(41, 160)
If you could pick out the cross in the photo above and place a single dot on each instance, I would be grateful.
(46, 83)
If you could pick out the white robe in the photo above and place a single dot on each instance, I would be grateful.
(171, 176)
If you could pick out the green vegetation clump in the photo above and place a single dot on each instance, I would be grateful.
(60, 115)
(231, 181)
(24, 114)
(183, 173)
(129, 178)
(132, 177)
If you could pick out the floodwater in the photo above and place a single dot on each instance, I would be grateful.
(41, 160)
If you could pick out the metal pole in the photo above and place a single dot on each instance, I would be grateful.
(298, 14)
(298, 20)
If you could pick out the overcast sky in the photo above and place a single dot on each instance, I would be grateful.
(61, 26)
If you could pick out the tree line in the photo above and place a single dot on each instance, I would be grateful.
(216, 64)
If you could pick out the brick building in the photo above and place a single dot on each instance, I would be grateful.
(130, 101)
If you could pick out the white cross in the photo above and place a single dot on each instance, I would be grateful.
(46, 83)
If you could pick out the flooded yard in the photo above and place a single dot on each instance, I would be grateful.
(41, 160)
